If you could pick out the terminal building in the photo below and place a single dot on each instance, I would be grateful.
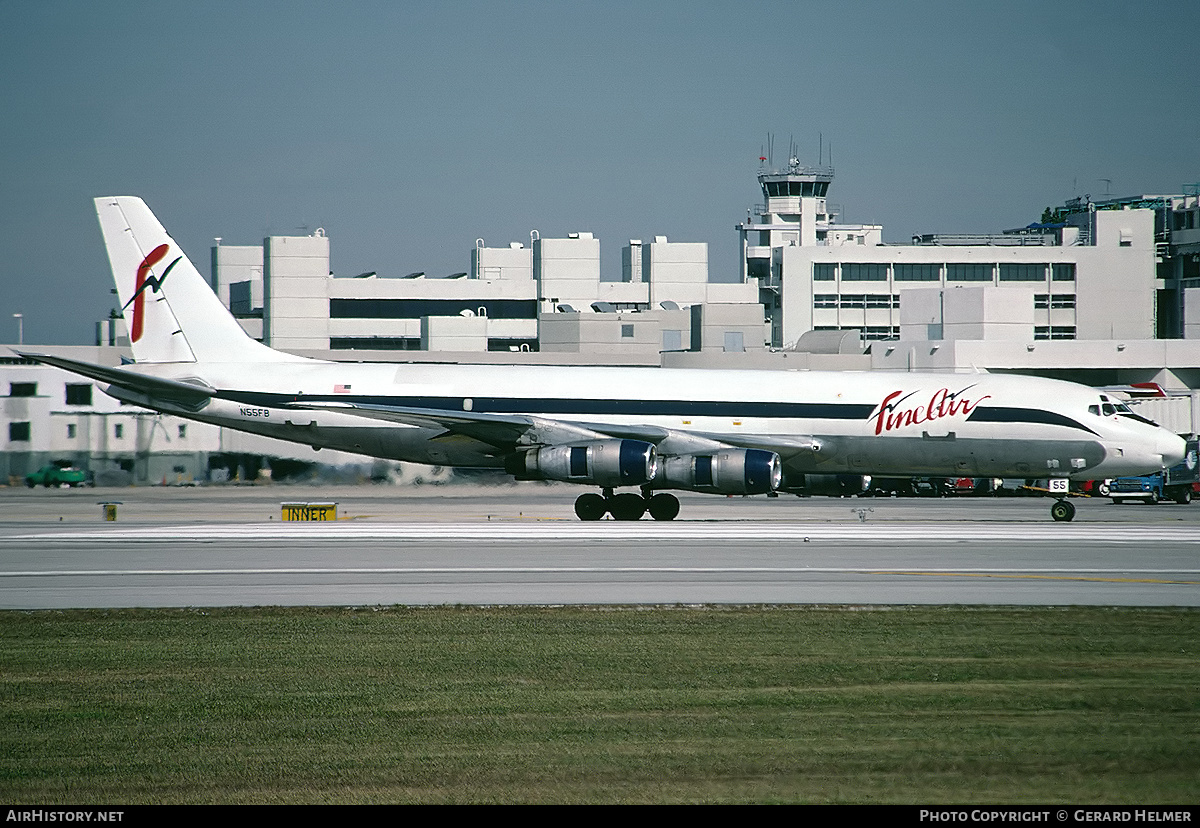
(1100, 292)
(1091, 270)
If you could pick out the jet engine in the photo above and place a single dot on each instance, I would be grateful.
(731, 471)
(607, 463)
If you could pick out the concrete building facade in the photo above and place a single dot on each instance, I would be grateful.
(510, 301)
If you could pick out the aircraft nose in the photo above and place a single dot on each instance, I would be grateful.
(1172, 448)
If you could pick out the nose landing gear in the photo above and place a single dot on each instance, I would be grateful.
(1062, 510)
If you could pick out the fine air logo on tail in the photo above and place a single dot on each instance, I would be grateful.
(893, 413)
(146, 279)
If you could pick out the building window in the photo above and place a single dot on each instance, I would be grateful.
(511, 343)
(917, 272)
(417, 308)
(825, 300)
(734, 342)
(1054, 332)
(183, 431)
(374, 343)
(1063, 272)
(627, 332)
(70, 431)
(80, 394)
(1022, 273)
(672, 340)
(864, 272)
(18, 432)
(969, 272)
(776, 189)
(824, 272)
(1065, 300)
(1041, 301)
(119, 431)
(22, 389)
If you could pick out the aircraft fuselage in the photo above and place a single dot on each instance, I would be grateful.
(879, 423)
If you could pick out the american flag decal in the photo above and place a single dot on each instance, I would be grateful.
(341, 389)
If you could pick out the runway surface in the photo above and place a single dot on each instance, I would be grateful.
(522, 545)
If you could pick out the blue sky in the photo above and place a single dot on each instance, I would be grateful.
(409, 130)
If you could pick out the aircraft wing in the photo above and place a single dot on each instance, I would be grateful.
(504, 431)
(185, 394)
(510, 431)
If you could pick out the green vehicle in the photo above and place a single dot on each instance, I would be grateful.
(60, 475)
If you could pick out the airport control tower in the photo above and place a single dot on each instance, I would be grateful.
(793, 213)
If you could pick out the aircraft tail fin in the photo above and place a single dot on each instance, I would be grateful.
(170, 311)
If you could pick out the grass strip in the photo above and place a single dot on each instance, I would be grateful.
(565, 705)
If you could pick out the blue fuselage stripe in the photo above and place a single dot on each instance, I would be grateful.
(573, 407)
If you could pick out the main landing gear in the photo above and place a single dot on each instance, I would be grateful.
(626, 506)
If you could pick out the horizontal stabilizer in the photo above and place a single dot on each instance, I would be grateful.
(184, 394)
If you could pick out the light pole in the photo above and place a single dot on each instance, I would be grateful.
(20, 317)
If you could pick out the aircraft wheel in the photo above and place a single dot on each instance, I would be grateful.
(1062, 510)
(590, 506)
(627, 506)
(663, 506)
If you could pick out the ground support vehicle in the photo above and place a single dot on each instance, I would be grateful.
(1178, 483)
(58, 475)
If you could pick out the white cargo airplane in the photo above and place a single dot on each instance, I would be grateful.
(644, 430)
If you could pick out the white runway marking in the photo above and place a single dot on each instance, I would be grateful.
(615, 570)
(643, 531)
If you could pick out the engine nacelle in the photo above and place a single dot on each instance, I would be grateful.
(608, 463)
(731, 471)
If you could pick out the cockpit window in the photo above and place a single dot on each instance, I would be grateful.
(1126, 411)
(1109, 408)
